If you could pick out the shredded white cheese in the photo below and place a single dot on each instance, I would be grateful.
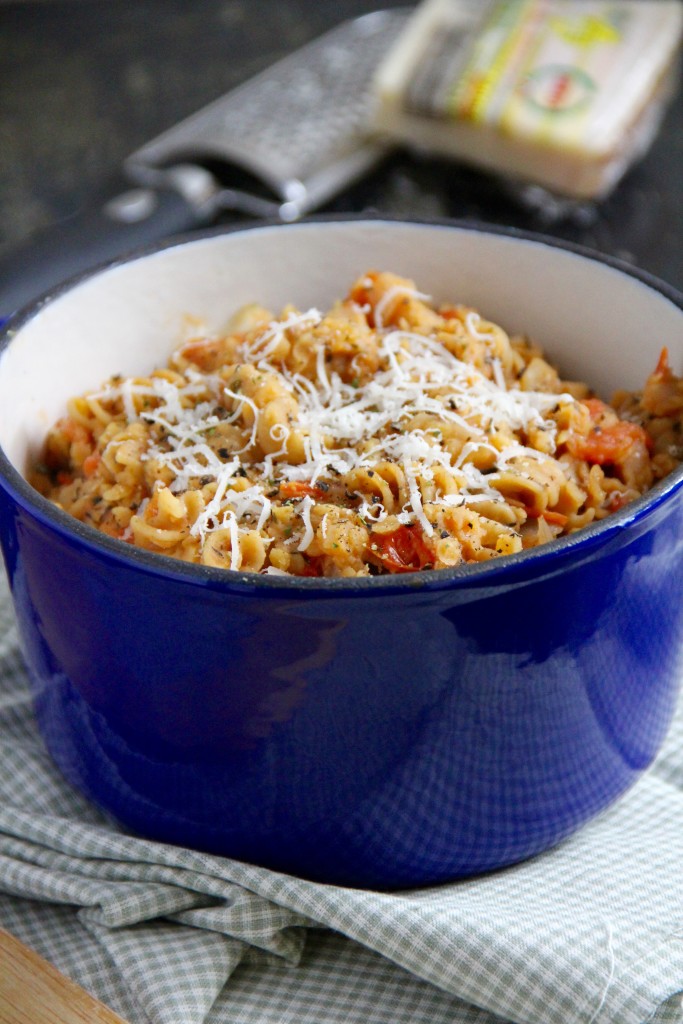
(343, 427)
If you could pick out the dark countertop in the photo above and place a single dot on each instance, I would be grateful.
(85, 82)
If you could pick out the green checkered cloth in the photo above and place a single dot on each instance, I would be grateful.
(589, 933)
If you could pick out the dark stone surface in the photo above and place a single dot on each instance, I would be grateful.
(85, 82)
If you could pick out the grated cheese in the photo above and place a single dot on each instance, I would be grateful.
(343, 427)
(472, 321)
(304, 510)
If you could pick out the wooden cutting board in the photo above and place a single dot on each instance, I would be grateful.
(32, 991)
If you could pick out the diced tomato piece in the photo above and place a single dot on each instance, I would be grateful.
(363, 288)
(558, 518)
(402, 550)
(451, 312)
(554, 517)
(300, 489)
(112, 529)
(662, 369)
(608, 445)
(203, 352)
(73, 430)
(90, 463)
(313, 567)
(595, 406)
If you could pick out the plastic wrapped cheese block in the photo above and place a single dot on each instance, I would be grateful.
(566, 94)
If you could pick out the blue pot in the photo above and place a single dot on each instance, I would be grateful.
(384, 732)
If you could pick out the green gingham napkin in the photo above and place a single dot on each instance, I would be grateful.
(589, 933)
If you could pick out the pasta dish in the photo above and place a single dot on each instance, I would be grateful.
(386, 435)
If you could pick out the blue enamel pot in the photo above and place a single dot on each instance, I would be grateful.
(385, 731)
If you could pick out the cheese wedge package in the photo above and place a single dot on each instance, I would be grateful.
(566, 94)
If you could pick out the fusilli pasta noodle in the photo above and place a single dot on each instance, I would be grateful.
(384, 436)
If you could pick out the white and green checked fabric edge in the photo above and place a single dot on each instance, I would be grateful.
(589, 933)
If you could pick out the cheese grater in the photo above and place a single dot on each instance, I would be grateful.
(278, 146)
(290, 138)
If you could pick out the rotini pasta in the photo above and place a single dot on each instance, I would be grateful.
(385, 436)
